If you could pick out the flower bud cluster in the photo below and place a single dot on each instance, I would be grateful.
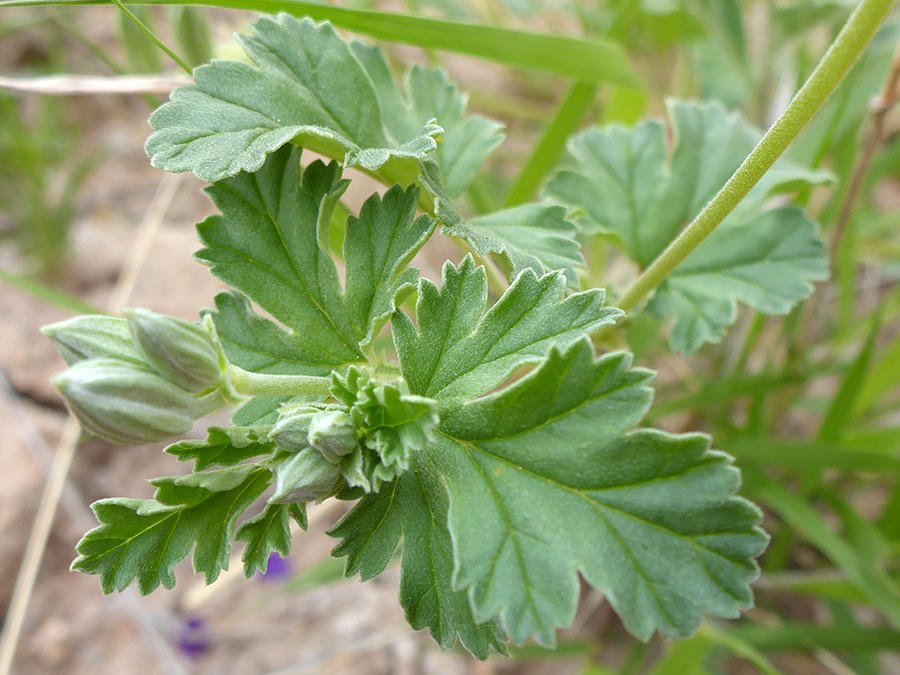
(364, 441)
(141, 379)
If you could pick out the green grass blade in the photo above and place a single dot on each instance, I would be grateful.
(812, 455)
(740, 648)
(880, 590)
(804, 637)
(840, 411)
(684, 656)
(578, 58)
(882, 379)
(51, 295)
(552, 142)
(828, 584)
(146, 30)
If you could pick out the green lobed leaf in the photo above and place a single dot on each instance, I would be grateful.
(223, 446)
(542, 480)
(307, 87)
(268, 531)
(271, 244)
(142, 540)
(429, 95)
(531, 236)
(414, 508)
(625, 185)
(544, 484)
(459, 351)
(769, 263)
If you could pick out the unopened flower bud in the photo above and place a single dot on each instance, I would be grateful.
(306, 477)
(93, 337)
(182, 352)
(291, 431)
(333, 433)
(126, 404)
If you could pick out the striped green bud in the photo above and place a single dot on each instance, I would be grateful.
(125, 403)
(93, 337)
(182, 352)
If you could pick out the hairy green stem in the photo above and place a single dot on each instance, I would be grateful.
(840, 57)
(260, 384)
(208, 404)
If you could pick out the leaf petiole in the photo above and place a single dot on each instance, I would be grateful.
(262, 384)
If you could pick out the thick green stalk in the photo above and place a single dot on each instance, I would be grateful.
(840, 57)
(260, 384)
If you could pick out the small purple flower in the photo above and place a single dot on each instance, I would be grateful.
(193, 638)
(277, 569)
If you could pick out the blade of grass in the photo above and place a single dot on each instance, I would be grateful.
(47, 293)
(739, 647)
(144, 28)
(684, 656)
(862, 663)
(840, 411)
(723, 390)
(824, 584)
(577, 58)
(882, 379)
(812, 455)
(805, 637)
(880, 590)
(552, 142)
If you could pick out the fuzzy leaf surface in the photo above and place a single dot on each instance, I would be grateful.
(307, 87)
(459, 351)
(223, 446)
(532, 236)
(413, 509)
(270, 243)
(545, 482)
(142, 540)
(427, 95)
(625, 185)
(268, 531)
(767, 264)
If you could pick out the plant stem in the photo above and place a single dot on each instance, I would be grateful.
(260, 384)
(890, 93)
(840, 57)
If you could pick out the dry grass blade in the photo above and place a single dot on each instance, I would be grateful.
(91, 85)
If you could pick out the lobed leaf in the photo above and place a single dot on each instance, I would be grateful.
(768, 263)
(268, 531)
(532, 236)
(271, 244)
(459, 351)
(307, 87)
(625, 186)
(414, 508)
(223, 446)
(142, 540)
